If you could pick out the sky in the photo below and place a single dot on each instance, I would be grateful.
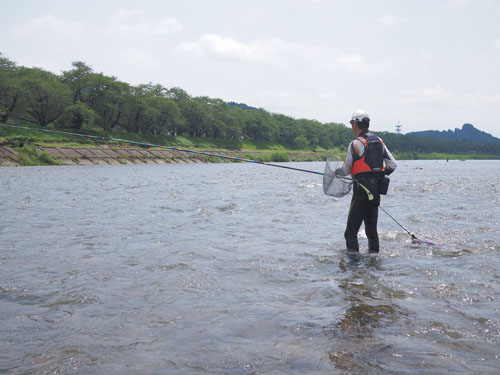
(427, 64)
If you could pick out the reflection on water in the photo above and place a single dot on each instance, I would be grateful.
(370, 309)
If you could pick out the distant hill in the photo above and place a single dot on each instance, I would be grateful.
(467, 133)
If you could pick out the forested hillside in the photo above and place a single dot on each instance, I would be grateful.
(80, 99)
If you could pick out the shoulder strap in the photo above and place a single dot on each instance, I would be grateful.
(362, 139)
(355, 156)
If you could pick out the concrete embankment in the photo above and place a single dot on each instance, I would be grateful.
(107, 155)
(8, 156)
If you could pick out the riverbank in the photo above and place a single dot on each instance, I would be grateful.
(31, 154)
(103, 155)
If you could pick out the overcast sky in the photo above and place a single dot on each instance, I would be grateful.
(429, 64)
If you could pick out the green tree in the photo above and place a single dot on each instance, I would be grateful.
(135, 114)
(108, 98)
(229, 120)
(197, 117)
(44, 96)
(311, 128)
(219, 121)
(302, 143)
(78, 79)
(258, 125)
(289, 130)
(10, 90)
(77, 115)
(169, 118)
(104, 95)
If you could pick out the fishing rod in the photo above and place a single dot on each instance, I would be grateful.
(159, 146)
(413, 237)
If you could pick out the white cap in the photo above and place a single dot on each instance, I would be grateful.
(359, 115)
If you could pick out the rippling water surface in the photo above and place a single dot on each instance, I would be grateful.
(241, 269)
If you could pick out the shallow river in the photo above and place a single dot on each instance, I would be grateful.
(242, 269)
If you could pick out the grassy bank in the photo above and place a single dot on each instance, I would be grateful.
(29, 155)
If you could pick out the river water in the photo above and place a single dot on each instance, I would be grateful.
(242, 269)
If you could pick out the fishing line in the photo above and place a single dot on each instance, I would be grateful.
(333, 184)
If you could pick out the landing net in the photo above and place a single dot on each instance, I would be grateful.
(333, 184)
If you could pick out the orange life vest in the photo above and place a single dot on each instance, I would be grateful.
(372, 160)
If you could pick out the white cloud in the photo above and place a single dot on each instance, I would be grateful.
(425, 56)
(353, 63)
(435, 93)
(130, 36)
(275, 52)
(431, 96)
(479, 97)
(50, 28)
(126, 37)
(293, 103)
(357, 63)
(47, 40)
(496, 43)
(210, 43)
(130, 23)
(453, 5)
(457, 3)
(389, 21)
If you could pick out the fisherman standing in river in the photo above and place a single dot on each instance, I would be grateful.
(368, 161)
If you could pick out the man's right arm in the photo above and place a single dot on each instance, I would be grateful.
(390, 162)
(346, 167)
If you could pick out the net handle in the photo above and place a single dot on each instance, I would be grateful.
(347, 178)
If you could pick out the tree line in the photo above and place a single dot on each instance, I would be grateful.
(412, 145)
(81, 98)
